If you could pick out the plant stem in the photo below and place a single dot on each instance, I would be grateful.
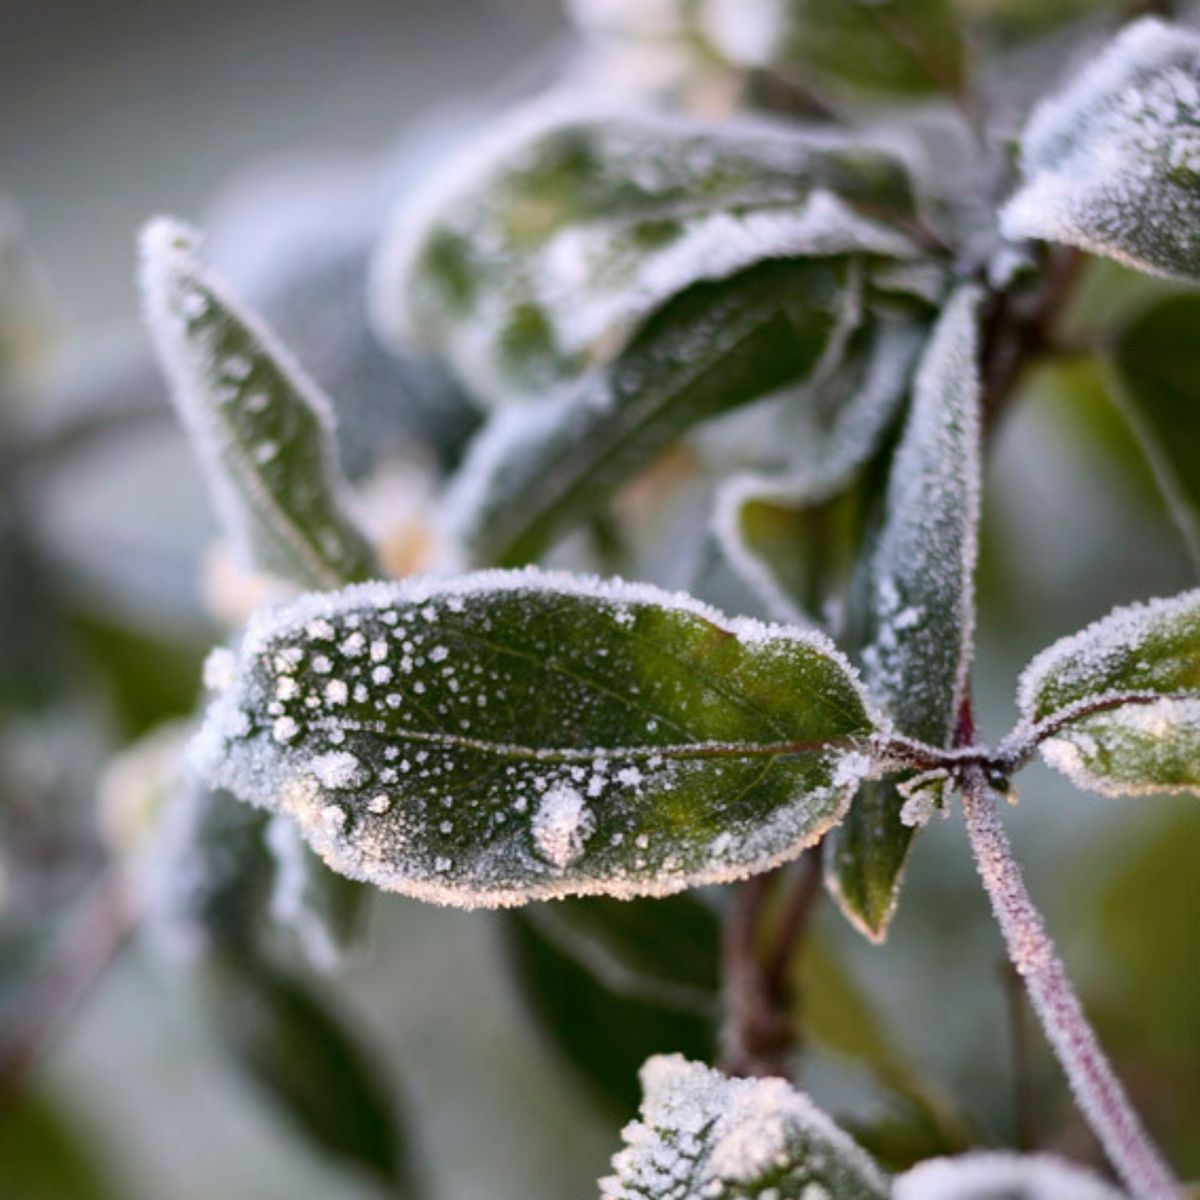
(1098, 1092)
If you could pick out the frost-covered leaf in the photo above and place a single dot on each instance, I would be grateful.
(717, 346)
(1156, 371)
(262, 429)
(541, 253)
(912, 607)
(789, 534)
(1116, 707)
(702, 1135)
(1001, 1176)
(1112, 163)
(612, 982)
(511, 736)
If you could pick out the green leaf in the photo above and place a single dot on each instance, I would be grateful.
(612, 982)
(1156, 377)
(45, 1157)
(1111, 163)
(543, 250)
(1000, 1175)
(792, 535)
(912, 607)
(261, 428)
(834, 47)
(702, 1134)
(1116, 707)
(511, 736)
(717, 346)
(283, 1034)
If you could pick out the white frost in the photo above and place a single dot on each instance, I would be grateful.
(1001, 1176)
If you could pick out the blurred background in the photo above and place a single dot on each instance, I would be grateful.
(272, 125)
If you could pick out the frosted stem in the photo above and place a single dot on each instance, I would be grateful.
(1098, 1092)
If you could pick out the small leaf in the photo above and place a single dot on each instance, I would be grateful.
(612, 982)
(702, 1134)
(1112, 163)
(1157, 384)
(998, 1175)
(542, 252)
(912, 606)
(789, 534)
(511, 736)
(1116, 707)
(714, 348)
(262, 429)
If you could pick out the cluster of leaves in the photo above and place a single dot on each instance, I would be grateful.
(823, 330)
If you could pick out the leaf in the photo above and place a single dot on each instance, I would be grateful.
(912, 609)
(791, 535)
(1116, 707)
(702, 1134)
(543, 249)
(512, 736)
(1112, 163)
(999, 1175)
(1156, 380)
(261, 428)
(286, 1038)
(209, 908)
(717, 346)
(832, 46)
(612, 982)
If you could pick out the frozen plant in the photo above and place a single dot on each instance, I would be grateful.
(786, 283)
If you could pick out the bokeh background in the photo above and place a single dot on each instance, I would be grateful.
(264, 119)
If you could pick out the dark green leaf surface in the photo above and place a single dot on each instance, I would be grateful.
(702, 1134)
(262, 430)
(1156, 369)
(540, 256)
(510, 736)
(717, 346)
(1110, 162)
(612, 982)
(912, 613)
(45, 1157)
(1116, 707)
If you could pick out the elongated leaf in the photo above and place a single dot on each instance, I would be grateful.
(1116, 707)
(261, 428)
(1001, 1176)
(542, 252)
(510, 736)
(913, 614)
(790, 534)
(702, 1134)
(1157, 376)
(717, 346)
(1112, 163)
(612, 982)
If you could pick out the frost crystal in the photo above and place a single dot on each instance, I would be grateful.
(551, 736)
(703, 1135)
(1112, 164)
(1001, 1176)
